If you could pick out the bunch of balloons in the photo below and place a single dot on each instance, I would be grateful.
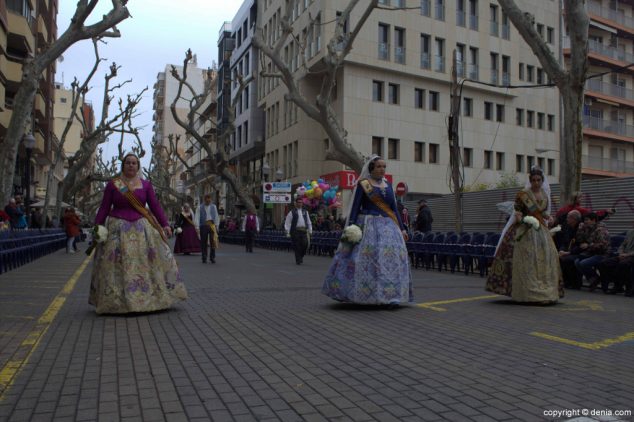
(317, 194)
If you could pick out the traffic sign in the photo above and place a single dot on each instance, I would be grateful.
(277, 198)
(276, 187)
(401, 189)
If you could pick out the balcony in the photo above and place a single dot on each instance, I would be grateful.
(612, 15)
(473, 72)
(506, 79)
(589, 162)
(384, 51)
(460, 69)
(494, 77)
(20, 36)
(425, 7)
(506, 32)
(425, 61)
(494, 29)
(611, 127)
(610, 89)
(439, 64)
(399, 55)
(440, 12)
(605, 51)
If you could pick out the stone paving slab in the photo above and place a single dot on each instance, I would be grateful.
(257, 341)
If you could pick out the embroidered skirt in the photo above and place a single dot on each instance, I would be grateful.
(375, 271)
(134, 270)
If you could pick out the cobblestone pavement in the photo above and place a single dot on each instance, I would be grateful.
(257, 341)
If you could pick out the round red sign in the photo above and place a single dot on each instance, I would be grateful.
(401, 189)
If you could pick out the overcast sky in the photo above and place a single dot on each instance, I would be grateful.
(158, 33)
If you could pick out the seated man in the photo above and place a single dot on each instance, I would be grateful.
(569, 250)
(617, 269)
(594, 246)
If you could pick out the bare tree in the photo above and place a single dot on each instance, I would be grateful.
(321, 108)
(32, 72)
(217, 155)
(162, 168)
(570, 82)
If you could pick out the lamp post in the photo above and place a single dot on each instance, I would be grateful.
(266, 171)
(29, 143)
(279, 174)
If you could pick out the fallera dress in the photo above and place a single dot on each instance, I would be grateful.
(527, 269)
(376, 270)
(134, 270)
(187, 241)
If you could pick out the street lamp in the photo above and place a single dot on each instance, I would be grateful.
(279, 174)
(266, 171)
(29, 143)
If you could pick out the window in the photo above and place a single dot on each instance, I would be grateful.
(63, 100)
(434, 101)
(419, 152)
(439, 60)
(540, 75)
(493, 13)
(472, 67)
(488, 110)
(494, 68)
(433, 153)
(521, 71)
(540, 29)
(246, 132)
(519, 163)
(499, 112)
(393, 93)
(384, 42)
(529, 73)
(467, 107)
(392, 149)
(399, 45)
(530, 118)
(377, 145)
(246, 98)
(499, 161)
(377, 91)
(551, 167)
(540, 162)
(540, 120)
(239, 136)
(530, 161)
(488, 158)
(440, 10)
(551, 122)
(519, 116)
(550, 35)
(419, 98)
(425, 55)
(467, 157)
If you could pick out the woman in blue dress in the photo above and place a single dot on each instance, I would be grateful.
(376, 270)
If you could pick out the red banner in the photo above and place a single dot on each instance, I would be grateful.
(345, 179)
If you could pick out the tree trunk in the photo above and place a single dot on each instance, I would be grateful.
(22, 109)
(571, 142)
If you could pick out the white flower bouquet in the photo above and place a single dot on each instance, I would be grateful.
(351, 235)
(178, 230)
(531, 223)
(99, 235)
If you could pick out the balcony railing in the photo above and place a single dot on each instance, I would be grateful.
(610, 14)
(399, 55)
(473, 22)
(440, 12)
(609, 89)
(610, 52)
(608, 126)
(494, 77)
(494, 29)
(461, 18)
(460, 69)
(425, 7)
(506, 32)
(606, 164)
(473, 72)
(384, 51)
(439, 63)
(506, 78)
(425, 61)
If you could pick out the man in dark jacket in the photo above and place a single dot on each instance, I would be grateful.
(423, 217)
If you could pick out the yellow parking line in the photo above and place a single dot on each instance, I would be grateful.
(430, 305)
(12, 368)
(592, 346)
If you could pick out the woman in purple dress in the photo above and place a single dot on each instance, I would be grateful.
(187, 240)
(134, 269)
(376, 270)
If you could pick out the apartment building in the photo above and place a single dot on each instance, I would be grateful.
(26, 26)
(246, 144)
(165, 91)
(393, 93)
(608, 147)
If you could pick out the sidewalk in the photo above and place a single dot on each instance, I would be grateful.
(257, 341)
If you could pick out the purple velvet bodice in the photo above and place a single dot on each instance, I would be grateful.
(115, 204)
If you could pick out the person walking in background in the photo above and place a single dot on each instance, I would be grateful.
(134, 269)
(376, 270)
(250, 227)
(71, 225)
(526, 263)
(15, 211)
(187, 240)
(423, 217)
(299, 227)
(207, 218)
